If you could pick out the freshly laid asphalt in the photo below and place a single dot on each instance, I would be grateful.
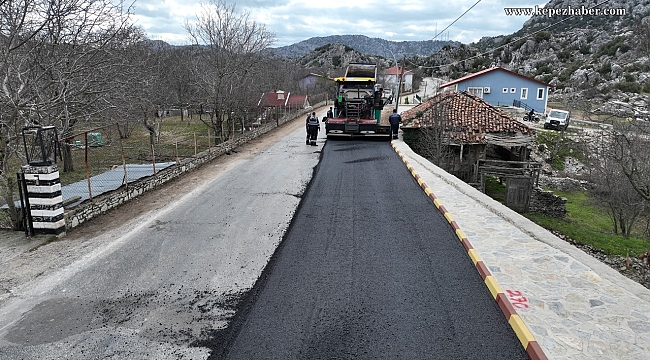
(369, 269)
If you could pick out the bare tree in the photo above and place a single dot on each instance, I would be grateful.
(435, 141)
(631, 151)
(231, 53)
(612, 186)
(55, 66)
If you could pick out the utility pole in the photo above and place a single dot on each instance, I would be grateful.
(399, 83)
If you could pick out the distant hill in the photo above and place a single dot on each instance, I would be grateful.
(365, 45)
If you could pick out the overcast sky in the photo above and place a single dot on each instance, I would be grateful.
(295, 20)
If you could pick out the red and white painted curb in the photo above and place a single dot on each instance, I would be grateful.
(525, 336)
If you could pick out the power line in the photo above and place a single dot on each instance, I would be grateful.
(458, 18)
(510, 42)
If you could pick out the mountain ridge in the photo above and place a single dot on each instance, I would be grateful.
(364, 44)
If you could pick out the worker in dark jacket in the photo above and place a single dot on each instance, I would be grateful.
(313, 126)
(394, 120)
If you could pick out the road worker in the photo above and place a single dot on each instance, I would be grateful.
(313, 126)
(394, 120)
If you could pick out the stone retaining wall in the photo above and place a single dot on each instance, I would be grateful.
(102, 203)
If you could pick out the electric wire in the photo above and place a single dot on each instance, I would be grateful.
(503, 45)
(458, 18)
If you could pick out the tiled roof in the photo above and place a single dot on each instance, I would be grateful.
(392, 71)
(280, 99)
(274, 98)
(468, 118)
(496, 68)
(296, 100)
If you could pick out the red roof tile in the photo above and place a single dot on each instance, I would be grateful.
(296, 100)
(273, 99)
(467, 118)
(392, 71)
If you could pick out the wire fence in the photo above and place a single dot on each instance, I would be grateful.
(102, 159)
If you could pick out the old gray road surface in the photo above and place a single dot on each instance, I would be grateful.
(369, 269)
(158, 286)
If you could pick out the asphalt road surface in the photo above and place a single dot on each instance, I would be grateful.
(369, 269)
(161, 285)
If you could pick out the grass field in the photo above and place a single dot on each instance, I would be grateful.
(588, 223)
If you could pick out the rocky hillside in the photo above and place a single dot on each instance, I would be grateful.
(365, 45)
(595, 57)
(333, 59)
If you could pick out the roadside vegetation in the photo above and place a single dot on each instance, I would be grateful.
(587, 222)
(75, 66)
(612, 214)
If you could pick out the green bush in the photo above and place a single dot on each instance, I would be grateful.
(543, 68)
(606, 69)
(646, 88)
(629, 87)
(564, 55)
(547, 78)
(614, 45)
(560, 147)
(542, 36)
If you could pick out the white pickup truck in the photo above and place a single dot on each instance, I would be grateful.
(557, 119)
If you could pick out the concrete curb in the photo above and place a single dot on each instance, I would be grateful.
(523, 334)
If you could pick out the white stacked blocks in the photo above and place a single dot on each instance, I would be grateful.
(45, 199)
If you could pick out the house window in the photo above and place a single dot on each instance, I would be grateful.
(524, 93)
(540, 94)
(513, 90)
(505, 90)
(478, 91)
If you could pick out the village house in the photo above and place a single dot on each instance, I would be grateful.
(502, 87)
(273, 105)
(311, 83)
(390, 78)
(470, 138)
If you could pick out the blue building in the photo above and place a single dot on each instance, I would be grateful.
(499, 86)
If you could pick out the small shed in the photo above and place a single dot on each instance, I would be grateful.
(312, 82)
(469, 138)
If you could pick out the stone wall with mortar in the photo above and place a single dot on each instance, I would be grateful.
(101, 204)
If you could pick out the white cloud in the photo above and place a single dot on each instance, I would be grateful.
(295, 20)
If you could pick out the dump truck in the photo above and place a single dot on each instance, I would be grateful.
(358, 104)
